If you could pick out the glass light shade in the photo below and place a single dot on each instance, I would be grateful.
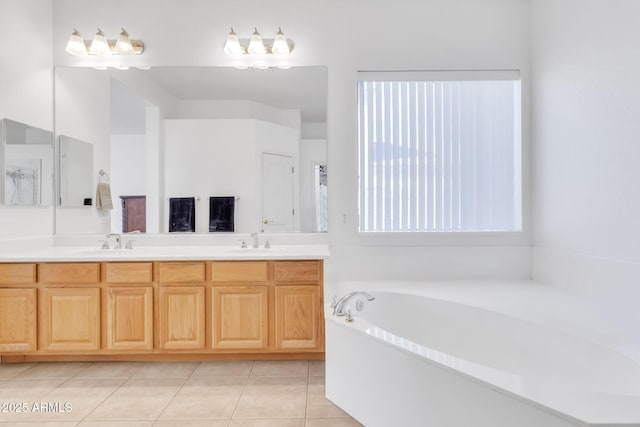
(232, 45)
(256, 47)
(100, 44)
(123, 45)
(75, 45)
(280, 45)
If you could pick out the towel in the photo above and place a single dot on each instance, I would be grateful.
(182, 214)
(221, 213)
(103, 196)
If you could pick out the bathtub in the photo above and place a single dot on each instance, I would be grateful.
(420, 359)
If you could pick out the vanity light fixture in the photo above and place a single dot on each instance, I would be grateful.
(123, 45)
(101, 46)
(75, 45)
(232, 45)
(279, 45)
(256, 46)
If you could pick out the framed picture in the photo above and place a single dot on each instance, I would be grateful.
(22, 182)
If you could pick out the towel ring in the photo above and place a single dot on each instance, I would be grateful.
(103, 175)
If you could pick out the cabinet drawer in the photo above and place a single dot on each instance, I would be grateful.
(240, 271)
(297, 271)
(181, 272)
(70, 273)
(127, 272)
(17, 273)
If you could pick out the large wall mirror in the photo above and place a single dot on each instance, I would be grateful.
(75, 172)
(26, 162)
(196, 149)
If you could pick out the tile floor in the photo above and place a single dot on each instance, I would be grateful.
(167, 394)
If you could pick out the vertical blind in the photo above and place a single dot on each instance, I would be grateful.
(439, 155)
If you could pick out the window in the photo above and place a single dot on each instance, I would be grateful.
(439, 152)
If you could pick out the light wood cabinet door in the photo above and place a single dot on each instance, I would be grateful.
(129, 318)
(240, 317)
(181, 317)
(17, 320)
(298, 317)
(69, 319)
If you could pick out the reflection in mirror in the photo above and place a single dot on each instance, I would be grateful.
(76, 172)
(202, 135)
(27, 154)
(320, 185)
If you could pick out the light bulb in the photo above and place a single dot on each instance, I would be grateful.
(256, 47)
(232, 45)
(100, 44)
(123, 45)
(75, 45)
(280, 45)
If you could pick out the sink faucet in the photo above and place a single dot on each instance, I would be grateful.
(118, 239)
(339, 308)
(256, 240)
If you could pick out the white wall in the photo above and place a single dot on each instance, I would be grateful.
(83, 112)
(431, 35)
(26, 93)
(209, 157)
(236, 109)
(128, 173)
(312, 152)
(586, 72)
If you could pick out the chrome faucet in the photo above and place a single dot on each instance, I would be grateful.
(339, 307)
(118, 239)
(256, 240)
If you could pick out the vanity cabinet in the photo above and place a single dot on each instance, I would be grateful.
(299, 323)
(167, 310)
(17, 320)
(69, 307)
(240, 305)
(18, 328)
(69, 319)
(181, 303)
(129, 306)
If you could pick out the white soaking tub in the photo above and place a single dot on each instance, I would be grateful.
(420, 360)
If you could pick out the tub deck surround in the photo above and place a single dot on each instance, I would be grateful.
(482, 347)
(167, 303)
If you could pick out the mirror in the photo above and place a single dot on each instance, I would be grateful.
(27, 164)
(199, 149)
(75, 166)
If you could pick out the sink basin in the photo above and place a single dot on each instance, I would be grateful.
(251, 251)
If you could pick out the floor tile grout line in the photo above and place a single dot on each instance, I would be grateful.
(105, 399)
(176, 393)
(244, 386)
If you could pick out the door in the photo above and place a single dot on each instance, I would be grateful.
(17, 320)
(298, 317)
(277, 192)
(130, 318)
(239, 316)
(182, 317)
(69, 319)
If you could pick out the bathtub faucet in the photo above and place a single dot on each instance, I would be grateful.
(339, 308)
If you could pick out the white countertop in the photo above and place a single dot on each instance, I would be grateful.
(163, 253)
